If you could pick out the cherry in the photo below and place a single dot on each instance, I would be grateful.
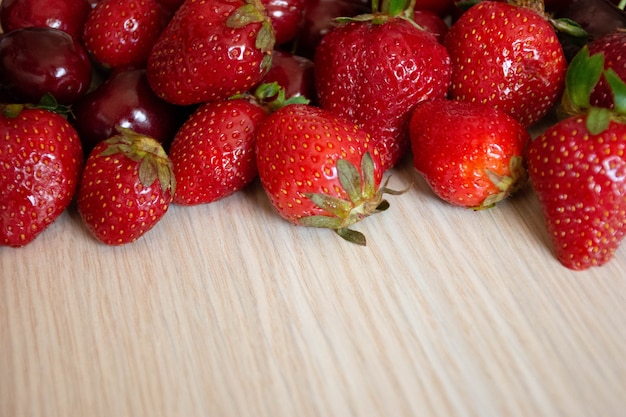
(66, 15)
(36, 61)
(431, 22)
(125, 99)
(294, 73)
(319, 18)
(286, 17)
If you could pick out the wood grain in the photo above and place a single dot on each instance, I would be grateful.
(227, 310)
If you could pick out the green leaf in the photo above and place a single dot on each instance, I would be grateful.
(367, 170)
(618, 87)
(335, 206)
(598, 120)
(352, 236)
(350, 179)
(324, 222)
(583, 74)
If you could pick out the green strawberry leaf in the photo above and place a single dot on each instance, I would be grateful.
(598, 120)
(618, 86)
(583, 74)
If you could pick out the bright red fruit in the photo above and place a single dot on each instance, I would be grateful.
(469, 153)
(40, 163)
(39, 61)
(125, 99)
(66, 15)
(286, 17)
(507, 56)
(374, 72)
(613, 47)
(213, 152)
(318, 169)
(578, 170)
(126, 188)
(211, 50)
(294, 73)
(121, 33)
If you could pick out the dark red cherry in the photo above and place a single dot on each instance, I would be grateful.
(125, 99)
(319, 18)
(66, 15)
(36, 61)
(294, 73)
(286, 17)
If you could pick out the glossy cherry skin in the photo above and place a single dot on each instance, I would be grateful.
(286, 17)
(294, 73)
(319, 18)
(125, 99)
(36, 61)
(66, 15)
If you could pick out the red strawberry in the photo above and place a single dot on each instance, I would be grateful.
(40, 162)
(120, 33)
(373, 71)
(213, 153)
(126, 187)
(578, 170)
(613, 46)
(506, 56)
(469, 153)
(211, 50)
(319, 170)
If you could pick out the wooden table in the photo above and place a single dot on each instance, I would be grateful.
(227, 310)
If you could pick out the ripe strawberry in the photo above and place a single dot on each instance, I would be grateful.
(373, 70)
(469, 153)
(211, 50)
(40, 162)
(126, 187)
(119, 33)
(578, 170)
(613, 46)
(319, 170)
(213, 153)
(506, 56)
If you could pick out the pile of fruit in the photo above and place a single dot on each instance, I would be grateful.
(129, 106)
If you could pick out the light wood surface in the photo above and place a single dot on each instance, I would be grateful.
(227, 310)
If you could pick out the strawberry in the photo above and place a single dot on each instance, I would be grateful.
(126, 187)
(40, 162)
(374, 69)
(211, 50)
(613, 46)
(469, 153)
(319, 170)
(507, 56)
(578, 169)
(119, 33)
(213, 153)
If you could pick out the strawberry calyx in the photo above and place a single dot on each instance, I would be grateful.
(154, 163)
(384, 11)
(584, 72)
(507, 184)
(271, 97)
(254, 12)
(47, 102)
(363, 200)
